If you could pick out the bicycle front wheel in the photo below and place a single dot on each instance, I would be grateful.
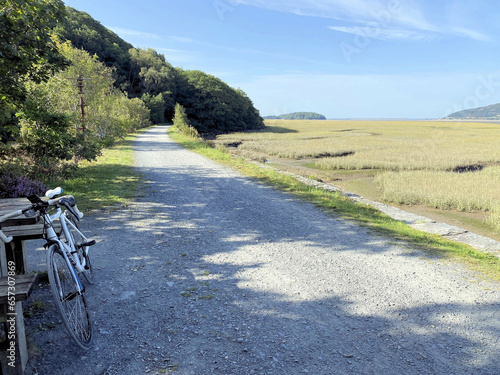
(70, 302)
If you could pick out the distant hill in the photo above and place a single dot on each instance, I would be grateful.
(490, 112)
(297, 116)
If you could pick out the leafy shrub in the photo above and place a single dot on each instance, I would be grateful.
(181, 122)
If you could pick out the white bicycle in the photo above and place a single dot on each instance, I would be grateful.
(67, 256)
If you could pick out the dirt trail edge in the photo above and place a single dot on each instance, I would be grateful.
(212, 273)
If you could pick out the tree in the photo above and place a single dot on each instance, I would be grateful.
(26, 50)
(54, 111)
(212, 106)
(46, 134)
(156, 105)
(152, 78)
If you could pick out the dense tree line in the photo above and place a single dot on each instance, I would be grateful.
(212, 106)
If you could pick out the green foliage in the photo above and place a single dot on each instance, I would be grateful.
(297, 116)
(181, 122)
(9, 128)
(51, 136)
(154, 80)
(46, 135)
(156, 105)
(26, 51)
(109, 113)
(212, 106)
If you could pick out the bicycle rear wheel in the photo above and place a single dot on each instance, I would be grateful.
(83, 251)
(71, 303)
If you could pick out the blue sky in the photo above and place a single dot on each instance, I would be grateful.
(341, 58)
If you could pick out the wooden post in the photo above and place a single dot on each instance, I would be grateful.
(79, 81)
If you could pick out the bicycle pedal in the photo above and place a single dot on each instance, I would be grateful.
(90, 243)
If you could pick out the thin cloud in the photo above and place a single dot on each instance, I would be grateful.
(397, 20)
(383, 34)
(133, 33)
(150, 36)
(182, 39)
(471, 34)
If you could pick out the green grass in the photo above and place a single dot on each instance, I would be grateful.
(339, 205)
(109, 181)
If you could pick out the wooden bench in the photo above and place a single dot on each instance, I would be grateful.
(13, 349)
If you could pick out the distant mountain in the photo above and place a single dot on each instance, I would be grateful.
(297, 116)
(490, 112)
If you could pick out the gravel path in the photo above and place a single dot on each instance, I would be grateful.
(212, 273)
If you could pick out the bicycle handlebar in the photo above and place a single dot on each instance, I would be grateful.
(80, 214)
(68, 201)
(12, 214)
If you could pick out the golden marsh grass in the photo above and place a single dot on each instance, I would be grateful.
(441, 164)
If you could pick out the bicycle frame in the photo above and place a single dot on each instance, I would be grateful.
(74, 227)
(59, 215)
(51, 237)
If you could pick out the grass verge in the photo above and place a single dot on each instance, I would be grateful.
(433, 245)
(107, 182)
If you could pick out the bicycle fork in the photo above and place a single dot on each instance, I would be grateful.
(80, 288)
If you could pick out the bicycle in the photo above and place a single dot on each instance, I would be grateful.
(67, 256)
